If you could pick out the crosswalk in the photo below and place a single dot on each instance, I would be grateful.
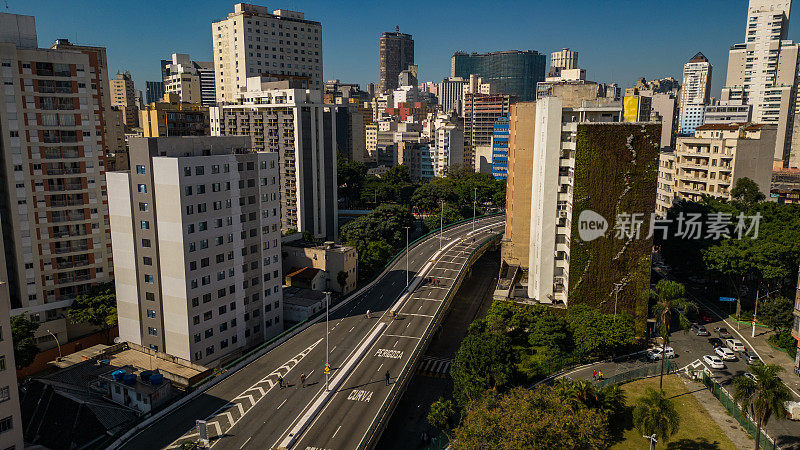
(434, 367)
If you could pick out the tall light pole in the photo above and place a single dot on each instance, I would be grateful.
(57, 343)
(753, 334)
(407, 228)
(652, 439)
(327, 353)
(474, 206)
(617, 286)
(441, 223)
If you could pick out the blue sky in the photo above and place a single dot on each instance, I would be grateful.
(618, 41)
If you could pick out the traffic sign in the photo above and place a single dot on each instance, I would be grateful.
(727, 299)
(327, 368)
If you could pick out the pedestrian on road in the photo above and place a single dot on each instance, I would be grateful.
(368, 315)
(600, 375)
(388, 377)
(303, 379)
(594, 375)
(280, 381)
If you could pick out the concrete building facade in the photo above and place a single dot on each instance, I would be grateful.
(253, 41)
(123, 96)
(193, 81)
(329, 258)
(53, 202)
(10, 417)
(564, 59)
(695, 93)
(396, 55)
(196, 230)
(295, 124)
(451, 92)
(173, 117)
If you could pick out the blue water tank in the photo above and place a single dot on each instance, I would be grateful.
(118, 374)
(129, 379)
(156, 379)
(145, 375)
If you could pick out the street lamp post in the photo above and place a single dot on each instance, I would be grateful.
(57, 343)
(407, 228)
(652, 439)
(474, 206)
(327, 353)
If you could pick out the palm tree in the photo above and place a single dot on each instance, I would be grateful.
(669, 297)
(761, 398)
(656, 414)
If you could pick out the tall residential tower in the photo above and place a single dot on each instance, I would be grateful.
(397, 54)
(695, 93)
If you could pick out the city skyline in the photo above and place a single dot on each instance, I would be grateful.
(351, 53)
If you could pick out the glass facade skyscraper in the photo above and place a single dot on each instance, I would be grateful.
(510, 72)
(500, 149)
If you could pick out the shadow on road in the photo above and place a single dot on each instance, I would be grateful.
(693, 444)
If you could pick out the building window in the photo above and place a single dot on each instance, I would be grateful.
(148, 279)
(6, 424)
(144, 225)
(147, 261)
(146, 243)
(4, 394)
(144, 206)
(2, 363)
(151, 313)
(142, 188)
(150, 296)
(140, 170)
(152, 331)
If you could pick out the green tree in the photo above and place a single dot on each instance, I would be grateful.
(22, 334)
(341, 278)
(776, 312)
(441, 414)
(763, 397)
(484, 361)
(600, 334)
(654, 413)
(451, 215)
(746, 191)
(669, 298)
(98, 307)
(373, 256)
(308, 236)
(397, 175)
(530, 419)
(350, 176)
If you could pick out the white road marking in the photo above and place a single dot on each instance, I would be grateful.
(279, 406)
(245, 442)
(420, 315)
(402, 336)
(395, 344)
(386, 353)
(379, 367)
(337, 430)
(351, 329)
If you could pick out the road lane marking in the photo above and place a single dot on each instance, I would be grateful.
(386, 353)
(245, 442)
(335, 432)
(414, 314)
(402, 336)
(351, 329)
(360, 395)
(395, 344)
(284, 401)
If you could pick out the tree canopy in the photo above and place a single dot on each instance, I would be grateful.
(22, 334)
(98, 307)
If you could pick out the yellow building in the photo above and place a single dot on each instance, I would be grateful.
(172, 117)
(636, 108)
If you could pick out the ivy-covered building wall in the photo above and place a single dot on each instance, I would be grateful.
(616, 171)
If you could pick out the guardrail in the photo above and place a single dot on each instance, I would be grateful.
(378, 425)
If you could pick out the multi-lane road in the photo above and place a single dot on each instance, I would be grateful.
(249, 409)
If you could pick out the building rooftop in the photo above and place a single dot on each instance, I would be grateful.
(303, 273)
(293, 295)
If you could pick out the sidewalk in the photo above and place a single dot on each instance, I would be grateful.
(729, 426)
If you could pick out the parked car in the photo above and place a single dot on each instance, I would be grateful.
(700, 330)
(751, 377)
(726, 353)
(735, 345)
(716, 342)
(655, 353)
(750, 358)
(723, 332)
(714, 361)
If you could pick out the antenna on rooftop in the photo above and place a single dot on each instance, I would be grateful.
(396, 27)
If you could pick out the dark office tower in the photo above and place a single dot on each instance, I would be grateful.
(511, 72)
(397, 53)
(154, 91)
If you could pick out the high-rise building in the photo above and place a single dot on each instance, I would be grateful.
(513, 73)
(123, 96)
(562, 59)
(153, 91)
(451, 93)
(350, 132)
(302, 130)
(196, 230)
(193, 81)
(482, 108)
(762, 72)
(53, 188)
(716, 114)
(291, 48)
(500, 149)
(610, 164)
(396, 55)
(172, 117)
(448, 145)
(519, 178)
(710, 162)
(10, 417)
(695, 93)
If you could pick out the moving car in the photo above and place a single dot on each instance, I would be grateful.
(705, 316)
(735, 345)
(713, 361)
(723, 332)
(655, 353)
(700, 330)
(726, 353)
(716, 342)
(750, 358)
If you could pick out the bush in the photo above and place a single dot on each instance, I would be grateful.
(784, 340)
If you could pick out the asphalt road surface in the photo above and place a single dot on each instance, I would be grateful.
(249, 410)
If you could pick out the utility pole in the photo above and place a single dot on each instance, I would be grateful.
(327, 352)
(753, 334)
(617, 286)
(407, 228)
(652, 439)
(474, 205)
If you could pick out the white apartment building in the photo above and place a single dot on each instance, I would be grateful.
(665, 193)
(295, 124)
(695, 92)
(10, 416)
(710, 162)
(451, 92)
(448, 143)
(52, 182)
(192, 80)
(762, 73)
(561, 60)
(196, 231)
(253, 41)
(727, 113)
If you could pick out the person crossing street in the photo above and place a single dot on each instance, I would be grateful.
(388, 378)
(303, 379)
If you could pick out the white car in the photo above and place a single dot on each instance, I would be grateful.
(713, 361)
(726, 354)
(655, 353)
(735, 345)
